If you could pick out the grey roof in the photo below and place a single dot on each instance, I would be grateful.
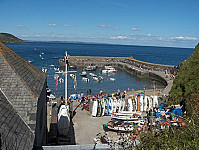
(15, 133)
(31, 75)
(21, 82)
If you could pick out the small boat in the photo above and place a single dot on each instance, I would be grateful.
(44, 69)
(112, 79)
(72, 67)
(83, 74)
(91, 68)
(55, 57)
(60, 71)
(52, 65)
(72, 76)
(96, 78)
(42, 58)
(56, 68)
(61, 80)
(92, 75)
(109, 70)
(100, 78)
(85, 79)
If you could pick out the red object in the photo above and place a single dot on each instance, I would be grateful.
(183, 124)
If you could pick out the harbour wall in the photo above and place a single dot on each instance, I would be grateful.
(130, 65)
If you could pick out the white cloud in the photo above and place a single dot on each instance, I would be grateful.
(20, 26)
(136, 29)
(52, 25)
(104, 26)
(120, 37)
(183, 38)
(116, 28)
(67, 25)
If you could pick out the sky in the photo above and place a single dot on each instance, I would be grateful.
(170, 23)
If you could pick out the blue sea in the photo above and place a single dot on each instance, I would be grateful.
(160, 55)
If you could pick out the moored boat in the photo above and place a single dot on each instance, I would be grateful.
(85, 79)
(72, 76)
(91, 68)
(83, 74)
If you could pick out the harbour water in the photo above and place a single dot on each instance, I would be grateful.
(42, 54)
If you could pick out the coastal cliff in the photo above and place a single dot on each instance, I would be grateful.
(9, 38)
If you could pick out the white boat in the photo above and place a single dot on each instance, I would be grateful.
(56, 69)
(72, 76)
(112, 70)
(61, 80)
(91, 68)
(60, 71)
(44, 69)
(109, 70)
(100, 78)
(63, 120)
(85, 79)
(104, 71)
(112, 79)
(92, 75)
(83, 74)
(96, 78)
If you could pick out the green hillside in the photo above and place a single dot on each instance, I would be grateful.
(186, 84)
(9, 38)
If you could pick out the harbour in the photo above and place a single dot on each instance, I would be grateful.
(73, 116)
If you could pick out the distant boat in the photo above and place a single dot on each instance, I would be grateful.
(100, 78)
(72, 76)
(56, 69)
(72, 67)
(83, 74)
(90, 68)
(44, 69)
(109, 69)
(92, 75)
(112, 79)
(61, 80)
(85, 79)
(96, 79)
(55, 57)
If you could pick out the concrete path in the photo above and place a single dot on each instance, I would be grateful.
(86, 127)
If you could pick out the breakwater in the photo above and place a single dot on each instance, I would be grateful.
(130, 65)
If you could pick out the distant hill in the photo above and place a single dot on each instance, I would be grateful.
(9, 38)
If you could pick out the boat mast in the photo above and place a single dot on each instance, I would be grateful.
(66, 71)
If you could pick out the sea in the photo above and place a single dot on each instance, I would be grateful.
(42, 54)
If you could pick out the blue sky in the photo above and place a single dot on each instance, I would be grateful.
(133, 22)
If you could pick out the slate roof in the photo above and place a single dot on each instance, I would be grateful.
(31, 75)
(15, 134)
(21, 82)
